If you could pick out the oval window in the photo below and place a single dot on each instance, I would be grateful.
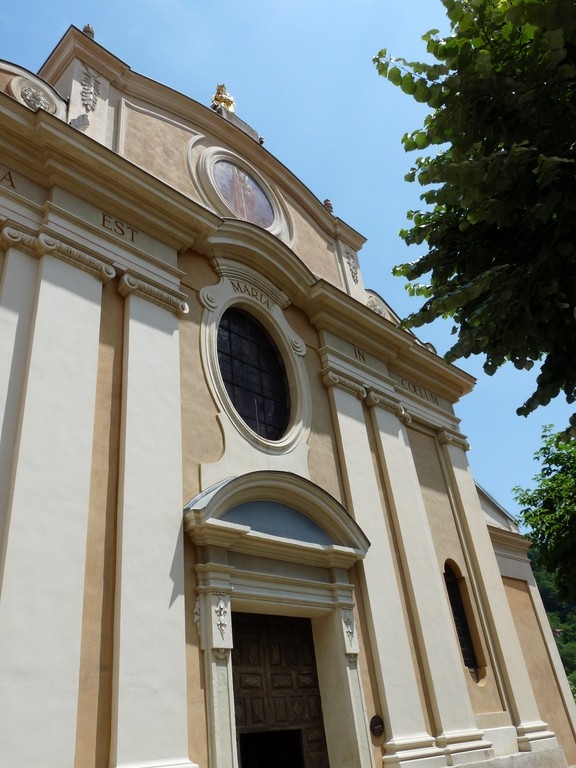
(253, 373)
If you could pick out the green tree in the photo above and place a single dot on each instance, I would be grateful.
(549, 510)
(500, 198)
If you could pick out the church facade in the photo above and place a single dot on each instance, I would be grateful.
(237, 522)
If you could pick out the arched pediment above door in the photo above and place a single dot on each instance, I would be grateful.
(276, 515)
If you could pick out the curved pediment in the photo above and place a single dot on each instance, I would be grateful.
(278, 515)
(263, 252)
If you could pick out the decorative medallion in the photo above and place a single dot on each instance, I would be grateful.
(34, 98)
(243, 195)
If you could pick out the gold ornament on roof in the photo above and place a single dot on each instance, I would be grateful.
(222, 99)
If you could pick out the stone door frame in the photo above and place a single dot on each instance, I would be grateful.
(248, 571)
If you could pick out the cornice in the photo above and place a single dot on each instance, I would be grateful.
(263, 252)
(48, 151)
(130, 285)
(335, 311)
(509, 542)
(75, 44)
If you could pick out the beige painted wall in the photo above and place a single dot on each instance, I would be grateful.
(95, 692)
(484, 693)
(539, 667)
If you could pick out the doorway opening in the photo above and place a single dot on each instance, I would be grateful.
(276, 694)
(261, 749)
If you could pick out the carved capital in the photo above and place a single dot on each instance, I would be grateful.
(382, 400)
(332, 379)
(47, 244)
(132, 285)
(453, 438)
(14, 238)
(222, 654)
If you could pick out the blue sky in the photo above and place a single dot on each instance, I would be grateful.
(302, 76)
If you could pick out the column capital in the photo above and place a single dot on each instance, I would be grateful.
(46, 243)
(388, 403)
(10, 237)
(37, 245)
(133, 285)
(456, 439)
(333, 379)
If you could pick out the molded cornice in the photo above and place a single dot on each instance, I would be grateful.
(264, 253)
(75, 44)
(50, 152)
(332, 310)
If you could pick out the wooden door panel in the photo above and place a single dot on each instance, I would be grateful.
(275, 681)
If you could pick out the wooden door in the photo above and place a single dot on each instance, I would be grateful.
(277, 700)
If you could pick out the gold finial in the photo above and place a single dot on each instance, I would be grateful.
(222, 99)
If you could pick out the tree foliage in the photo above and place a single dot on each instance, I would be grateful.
(499, 208)
(549, 510)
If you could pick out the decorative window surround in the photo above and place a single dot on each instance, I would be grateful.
(243, 287)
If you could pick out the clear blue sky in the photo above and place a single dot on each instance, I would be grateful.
(301, 74)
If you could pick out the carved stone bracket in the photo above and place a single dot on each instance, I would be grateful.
(221, 654)
(332, 379)
(453, 438)
(132, 285)
(381, 400)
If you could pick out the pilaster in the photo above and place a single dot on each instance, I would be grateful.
(51, 313)
(458, 734)
(407, 739)
(533, 734)
(213, 617)
(150, 711)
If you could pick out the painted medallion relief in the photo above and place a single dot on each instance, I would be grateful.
(242, 194)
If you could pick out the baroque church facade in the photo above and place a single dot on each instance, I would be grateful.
(237, 522)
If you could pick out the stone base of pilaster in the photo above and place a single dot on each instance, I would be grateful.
(178, 763)
(535, 737)
(417, 752)
(465, 747)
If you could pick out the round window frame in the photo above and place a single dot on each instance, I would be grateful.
(207, 158)
(288, 389)
(290, 349)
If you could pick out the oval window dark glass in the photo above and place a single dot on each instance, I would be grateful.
(253, 374)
